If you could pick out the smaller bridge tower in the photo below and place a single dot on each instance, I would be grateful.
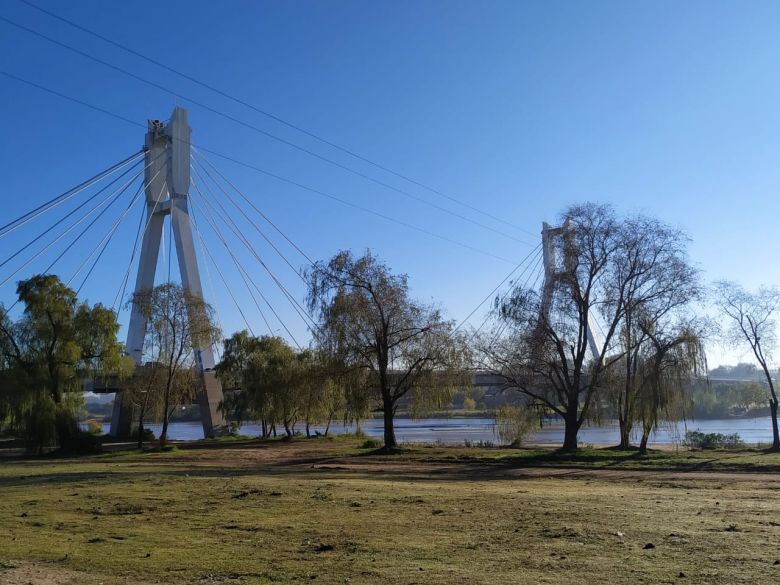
(559, 257)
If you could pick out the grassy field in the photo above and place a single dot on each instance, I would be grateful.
(331, 512)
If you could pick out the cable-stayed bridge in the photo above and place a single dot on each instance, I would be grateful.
(177, 186)
(196, 225)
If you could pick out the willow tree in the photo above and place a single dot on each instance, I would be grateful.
(177, 324)
(368, 319)
(268, 380)
(665, 373)
(57, 342)
(750, 319)
(651, 286)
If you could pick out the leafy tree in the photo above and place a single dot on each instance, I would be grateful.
(368, 321)
(177, 324)
(664, 377)
(751, 318)
(57, 342)
(267, 380)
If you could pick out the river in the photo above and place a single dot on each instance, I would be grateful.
(458, 430)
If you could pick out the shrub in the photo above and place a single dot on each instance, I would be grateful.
(514, 424)
(94, 427)
(469, 403)
(699, 440)
(83, 442)
(370, 444)
(148, 434)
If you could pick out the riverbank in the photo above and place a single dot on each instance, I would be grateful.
(482, 431)
(329, 511)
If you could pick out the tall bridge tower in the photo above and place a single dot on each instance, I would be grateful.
(559, 257)
(167, 184)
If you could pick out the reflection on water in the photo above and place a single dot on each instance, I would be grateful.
(457, 430)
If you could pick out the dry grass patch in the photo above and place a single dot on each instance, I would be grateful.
(313, 512)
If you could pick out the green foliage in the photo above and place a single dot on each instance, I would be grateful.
(267, 380)
(370, 324)
(699, 440)
(44, 355)
(94, 427)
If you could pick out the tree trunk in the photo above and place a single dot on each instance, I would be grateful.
(775, 432)
(166, 416)
(327, 426)
(643, 442)
(389, 431)
(287, 429)
(625, 433)
(141, 430)
(308, 433)
(570, 432)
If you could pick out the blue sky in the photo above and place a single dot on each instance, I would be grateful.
(517, 108)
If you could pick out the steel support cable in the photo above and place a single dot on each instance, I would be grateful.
(275, 118)
(279, 252)
(107, 237)
(539, 276)
(70, 193)
(243, 270)
(261, 131)
(222, 276)
(122, 282)
(354, 205)
(87, 228)
(270, 174)
(534, 267)
(246, 277)
(103, 244)
(66, 216)
(202, 158)
(220, 321)
(115, 194)
(163, 189)
(235, 229)
(499, 285)
(249, 219)
(534, 270)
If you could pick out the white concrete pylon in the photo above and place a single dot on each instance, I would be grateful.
(167, 193)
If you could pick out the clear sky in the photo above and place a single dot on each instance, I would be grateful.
(516, 108)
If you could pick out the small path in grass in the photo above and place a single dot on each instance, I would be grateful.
(302, 456)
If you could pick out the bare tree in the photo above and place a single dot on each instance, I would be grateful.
(369, 321)
(541, 348)
(178, 323)
(626, 272)
(145, 391)
(654, 283)
(752, 322)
